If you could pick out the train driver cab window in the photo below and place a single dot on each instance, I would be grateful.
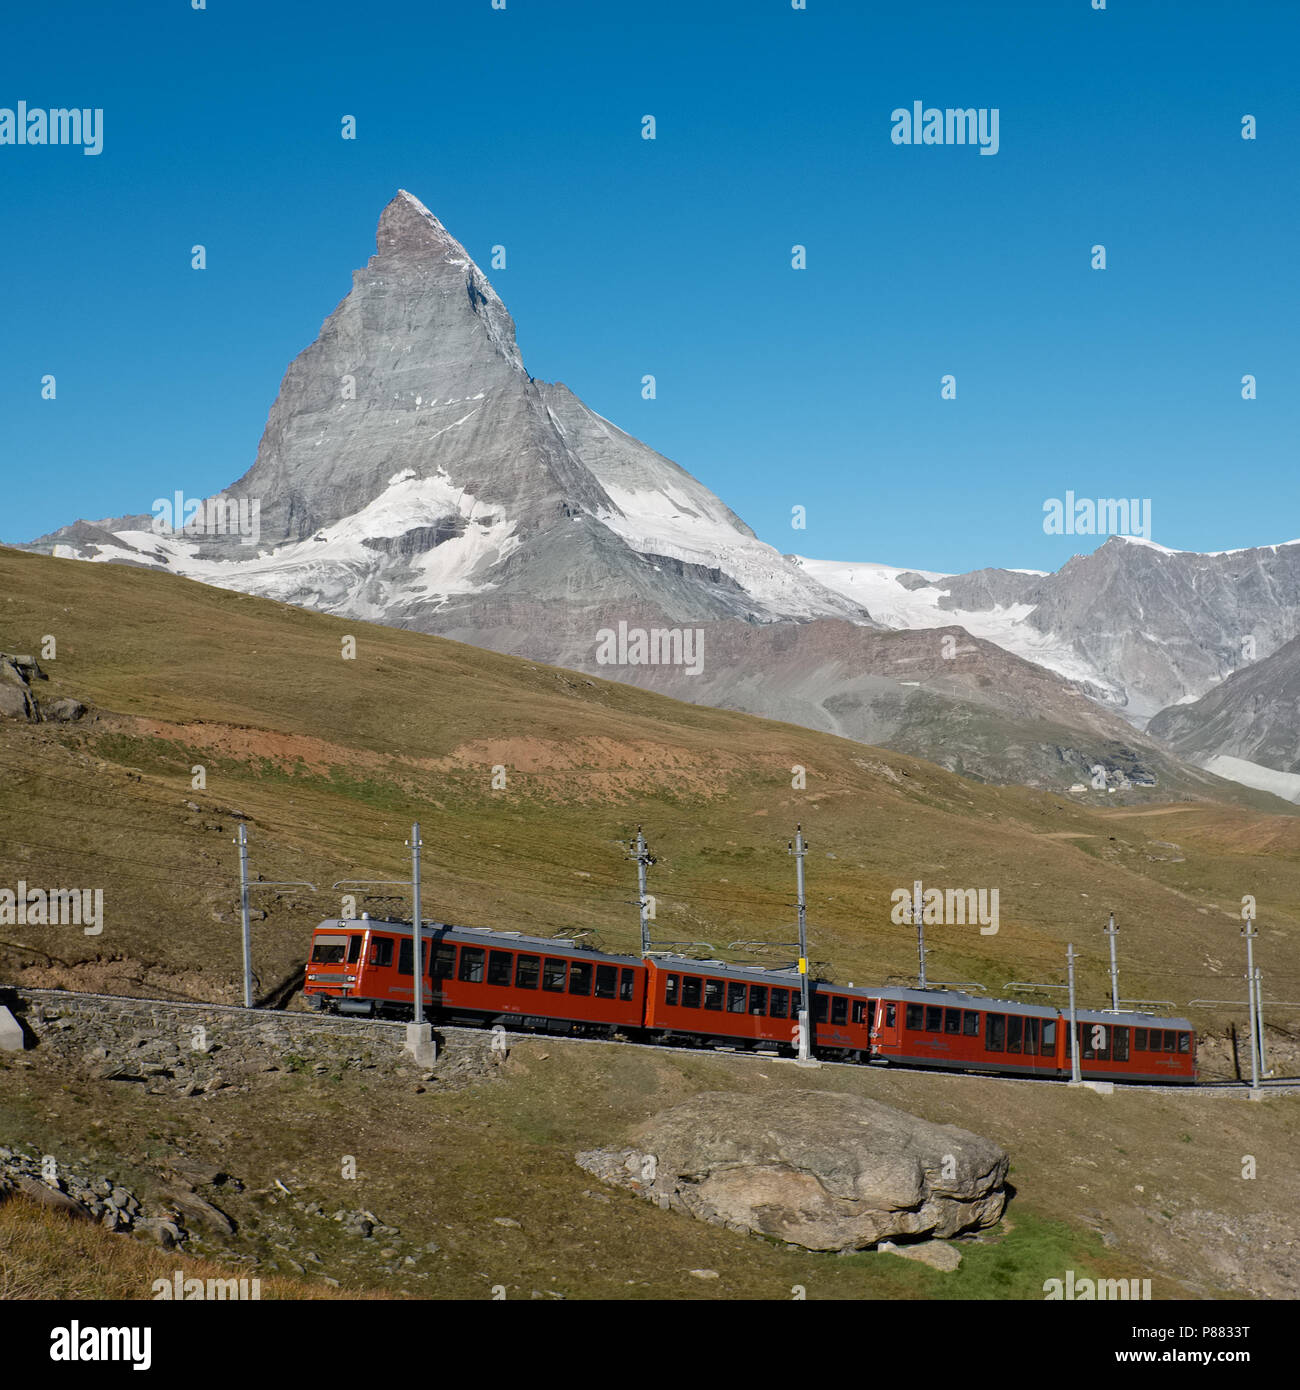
(471, 965)
(354, 949)
(1184, 1042)
(670, 989)
(735, 997)
(690, 991)
(713, 994)
(329, 950)
(381, 951)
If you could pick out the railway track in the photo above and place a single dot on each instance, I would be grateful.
(1280, 1086)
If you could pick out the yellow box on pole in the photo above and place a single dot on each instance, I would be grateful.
(803, 965)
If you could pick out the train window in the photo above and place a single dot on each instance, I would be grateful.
(627, 983)
(606, 981)
(444, 961)
(735, 997)
(871, 1013)
(839, 1009)
(819, 1008)
(915, 1016)
(713, 994)
(471, 965)
(952, 1020)
(670, 990)
(758, 999)
(527, 970)
(1139, 1040)
(354, 949)
(1048, 1047)
(690, 991)
(891, 1015)
(1171, 1044)
(1184, 1042)
(1085, 1042)
(553, 973)
(329, 950)
(995, 1032)
(405, 952)
(970, 1023)
(933, 1018)
(859, 1010)
(780, 1001)
(381, 951)
(1119, 1044)
(1031, 1035)
(1015, 1032)
(500, 965)
(1101, 1040)
(580, 977)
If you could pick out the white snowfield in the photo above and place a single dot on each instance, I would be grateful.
(1264, 779)
(877, 588)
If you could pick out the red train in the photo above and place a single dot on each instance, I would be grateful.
(473, 975)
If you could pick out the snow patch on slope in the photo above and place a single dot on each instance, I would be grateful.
(1264, 779)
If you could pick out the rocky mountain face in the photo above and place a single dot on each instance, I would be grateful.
(413, 473)
(1252, 718)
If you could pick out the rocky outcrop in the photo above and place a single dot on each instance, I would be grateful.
(18, 701)
(819, 1170)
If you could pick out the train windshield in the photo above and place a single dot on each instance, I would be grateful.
(329, 950)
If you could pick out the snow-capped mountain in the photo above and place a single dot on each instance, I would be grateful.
(413, 472)
(1141, 627)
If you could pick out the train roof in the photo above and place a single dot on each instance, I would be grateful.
(474, 936)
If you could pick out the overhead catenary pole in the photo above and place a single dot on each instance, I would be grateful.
(918, 916)
(242, 842)
(799, 849)
(417, 940)
(1076, 1076)
(244, 887)
(1112, 932)
(1249, 934)
(643, 861)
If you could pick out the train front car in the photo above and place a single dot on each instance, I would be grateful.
(335, 966)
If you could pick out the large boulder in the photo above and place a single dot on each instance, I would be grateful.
(817, 1169)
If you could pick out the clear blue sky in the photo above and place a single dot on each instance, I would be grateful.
(672, 257)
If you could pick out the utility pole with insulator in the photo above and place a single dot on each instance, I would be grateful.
(1112, 932)
(799, 849)
(918, 916)
(643, 861)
